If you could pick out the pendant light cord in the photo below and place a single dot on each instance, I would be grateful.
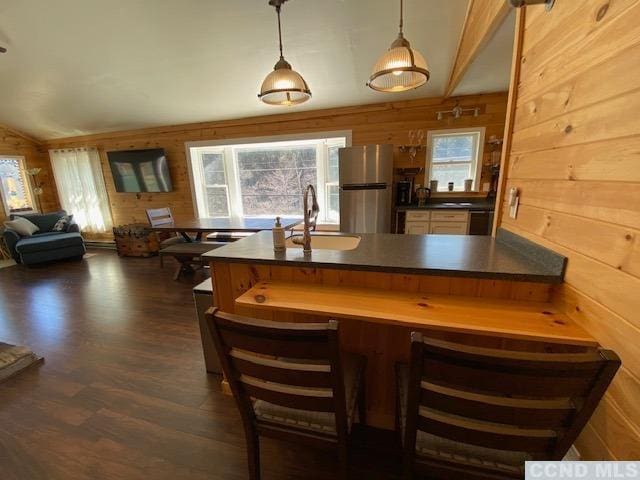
(279, 31)
(401, 16)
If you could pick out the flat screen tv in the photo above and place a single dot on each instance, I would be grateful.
(140, 170)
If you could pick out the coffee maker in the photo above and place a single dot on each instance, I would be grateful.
(403, 192)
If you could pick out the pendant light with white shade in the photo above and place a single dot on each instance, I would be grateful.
(401, 68)
(283, 86)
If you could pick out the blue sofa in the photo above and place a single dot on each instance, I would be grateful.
(45, 245)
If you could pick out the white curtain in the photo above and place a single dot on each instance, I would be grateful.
(81, 188)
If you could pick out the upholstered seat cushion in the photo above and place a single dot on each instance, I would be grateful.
(450, 450)
(322, 422)
(42, 242)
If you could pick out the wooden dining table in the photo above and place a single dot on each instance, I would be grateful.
(200, 226)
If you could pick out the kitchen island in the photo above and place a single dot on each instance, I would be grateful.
(381, 287)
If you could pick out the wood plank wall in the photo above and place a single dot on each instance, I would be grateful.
(16, 144)
(378, 123)
(575, 157)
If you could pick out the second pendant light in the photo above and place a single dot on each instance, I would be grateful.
(401, 68)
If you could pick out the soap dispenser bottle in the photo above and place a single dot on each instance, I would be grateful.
(278, 237)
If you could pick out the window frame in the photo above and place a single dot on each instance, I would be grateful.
(194, 150)
(22, 164)
(476, 164)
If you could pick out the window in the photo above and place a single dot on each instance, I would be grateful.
(455, 156)
(266, 179)
(14, 185)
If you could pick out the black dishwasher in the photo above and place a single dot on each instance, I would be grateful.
(480, 222)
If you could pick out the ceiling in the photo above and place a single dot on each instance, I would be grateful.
(491, 70)
(77, 67)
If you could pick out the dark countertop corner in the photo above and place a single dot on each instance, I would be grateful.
(471, 204)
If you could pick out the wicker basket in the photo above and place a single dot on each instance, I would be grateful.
(136, 240)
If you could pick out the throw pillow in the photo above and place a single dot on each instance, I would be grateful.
(62, 225)
(21, 225)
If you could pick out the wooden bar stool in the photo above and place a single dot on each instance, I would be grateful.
(480, 413)
(290, 382)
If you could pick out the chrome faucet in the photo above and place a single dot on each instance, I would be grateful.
(310, 218)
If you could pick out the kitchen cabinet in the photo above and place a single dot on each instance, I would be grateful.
(417, 228)
(443, 222)
(448, 228)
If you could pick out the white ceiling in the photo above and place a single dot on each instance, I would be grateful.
(491, 70)
(77, 67)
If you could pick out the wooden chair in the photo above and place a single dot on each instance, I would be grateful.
(479, 413)
(162, 216)
(290, 382)
(159, 216)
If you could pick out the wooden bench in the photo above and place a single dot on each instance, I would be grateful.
(189, 255)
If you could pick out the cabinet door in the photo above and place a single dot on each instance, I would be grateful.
(448, 228)
(417, 228)
(418, 215)
(449, 216)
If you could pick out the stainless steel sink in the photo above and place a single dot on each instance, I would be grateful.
(327, 242)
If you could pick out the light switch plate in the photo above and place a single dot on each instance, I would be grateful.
(513, 210)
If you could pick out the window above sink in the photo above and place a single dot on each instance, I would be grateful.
(455, 155)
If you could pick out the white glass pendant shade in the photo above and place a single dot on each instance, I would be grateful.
(284, 86)
(401, 68)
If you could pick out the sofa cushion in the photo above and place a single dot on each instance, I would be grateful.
(22, 226)
(48, 242)
(44, 221)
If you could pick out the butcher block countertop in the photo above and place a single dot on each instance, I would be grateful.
(516, 319)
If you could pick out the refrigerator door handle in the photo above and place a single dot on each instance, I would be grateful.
(364, 186)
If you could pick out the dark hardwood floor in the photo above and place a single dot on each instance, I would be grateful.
(123, 393)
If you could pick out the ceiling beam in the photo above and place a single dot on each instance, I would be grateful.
(482, 20)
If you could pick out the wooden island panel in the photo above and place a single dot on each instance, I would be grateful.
(383, 344)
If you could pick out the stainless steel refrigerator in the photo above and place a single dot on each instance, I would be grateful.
(366, 184)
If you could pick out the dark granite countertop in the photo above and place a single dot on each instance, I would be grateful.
(450, 205)
(509, 257)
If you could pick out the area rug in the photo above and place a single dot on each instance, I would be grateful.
(14, 359)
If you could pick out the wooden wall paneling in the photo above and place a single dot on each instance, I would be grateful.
(582, 90)
(378, 123)
(621, 437)
(599, 27)
(481, 22)
(16, 143)
(604, 284)
(613, 202)
(507, 137)
(586, 161)
(612, 331)
(575, 160)
(612, 118)
(592, 446)
(612, 244)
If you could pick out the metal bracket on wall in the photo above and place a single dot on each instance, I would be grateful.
(521, 3)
